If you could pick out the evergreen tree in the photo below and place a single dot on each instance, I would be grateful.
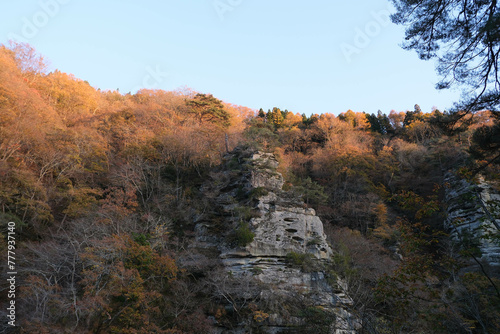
(209, 109)
(374, 123)
(464, 36)
(418, 110)
(385, 123)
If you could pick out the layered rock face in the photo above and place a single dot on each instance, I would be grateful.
(284, 226)
(288, 254)
(473, 216)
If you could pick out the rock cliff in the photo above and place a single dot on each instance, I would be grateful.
(268, 237)
(474, 217)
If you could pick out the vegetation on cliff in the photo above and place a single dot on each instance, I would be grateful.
(106, 189)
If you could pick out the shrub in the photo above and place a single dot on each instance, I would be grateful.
(314, 241)
(310, 191)
(304, 261)
(244, 235)
(317, 320)
(245, 213)
(258, 192)
(234, 164)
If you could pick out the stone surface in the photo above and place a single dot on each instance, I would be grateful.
(283, 231)
(264, 173)
(282, 225)
(473, 212)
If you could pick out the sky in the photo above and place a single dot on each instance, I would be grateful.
(317, 56)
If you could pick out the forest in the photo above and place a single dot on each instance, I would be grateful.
(105, 190)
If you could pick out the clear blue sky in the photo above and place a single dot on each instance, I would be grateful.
(305, 56)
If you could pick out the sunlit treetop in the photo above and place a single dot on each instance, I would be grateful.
(205, 107)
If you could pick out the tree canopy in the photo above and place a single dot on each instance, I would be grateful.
(108, 193)
(208, 108)
(465, 38)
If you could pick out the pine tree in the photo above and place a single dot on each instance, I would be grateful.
(209, 109)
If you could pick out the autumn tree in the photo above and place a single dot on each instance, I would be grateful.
(429, 288)
(261, 135)
(292, 120)
(356, 119)
(421, 131)
(396, 119)
(361, 262)
(49, 293)
(487, 141)
(276, 117)
(32, 64)
(123, 281)
(240, 116)
(464, 37)
(412, 116)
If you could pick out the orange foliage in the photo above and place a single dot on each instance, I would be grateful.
(357, 120)
(292, 120)
(397, 119)
(109, 173)
(74, 99)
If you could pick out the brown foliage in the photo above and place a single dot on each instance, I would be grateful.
(95, 179)
(123, 281)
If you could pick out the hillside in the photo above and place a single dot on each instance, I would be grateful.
(175, 212)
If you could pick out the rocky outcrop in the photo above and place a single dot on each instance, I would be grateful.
(474, 217)
(273, 239)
